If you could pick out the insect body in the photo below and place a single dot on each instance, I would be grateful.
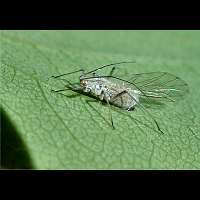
(116, 94)
(127, 93)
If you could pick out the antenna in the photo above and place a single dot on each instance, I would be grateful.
(67, 73)
(109, 65)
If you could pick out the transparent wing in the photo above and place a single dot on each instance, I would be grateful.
(161, 86)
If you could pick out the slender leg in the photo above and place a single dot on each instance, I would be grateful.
(59, 90)
(94, 74)
(71, 86)
(147, 112)
(125, 92)
(110, 114)
(94, 108)
(112, 71)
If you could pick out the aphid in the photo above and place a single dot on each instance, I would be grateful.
(127, 93)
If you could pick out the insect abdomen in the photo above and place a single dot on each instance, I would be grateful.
(124, 101)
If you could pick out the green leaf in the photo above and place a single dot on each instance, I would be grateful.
(46, 130)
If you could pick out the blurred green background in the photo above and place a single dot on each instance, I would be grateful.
(44, 130)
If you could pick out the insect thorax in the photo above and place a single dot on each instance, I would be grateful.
(116, 94)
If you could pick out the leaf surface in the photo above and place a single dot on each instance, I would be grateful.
(72, 131)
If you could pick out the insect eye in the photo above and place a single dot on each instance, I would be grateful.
(83, 83)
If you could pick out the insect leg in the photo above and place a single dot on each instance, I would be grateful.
(59, 90)
(70, 86)
(110, 114)
(147, 112)
(97, 111)
(112, 71)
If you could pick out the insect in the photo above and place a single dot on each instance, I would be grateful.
(128, 92)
